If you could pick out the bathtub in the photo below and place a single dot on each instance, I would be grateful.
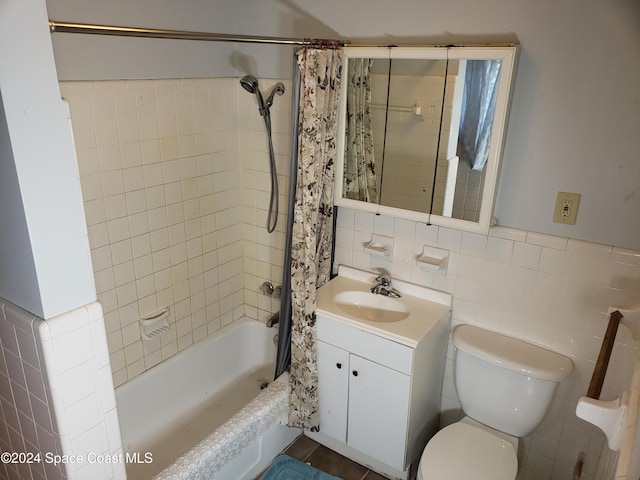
(202, 414)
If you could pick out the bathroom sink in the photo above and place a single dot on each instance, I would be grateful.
(347, 298)
(371, 307)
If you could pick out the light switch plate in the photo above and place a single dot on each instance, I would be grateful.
(566, 208)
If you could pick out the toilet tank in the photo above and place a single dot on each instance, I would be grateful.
(505, 383)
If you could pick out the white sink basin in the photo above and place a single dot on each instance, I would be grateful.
(406, 320)
(371, 307)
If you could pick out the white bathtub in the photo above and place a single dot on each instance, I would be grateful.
(202, 413)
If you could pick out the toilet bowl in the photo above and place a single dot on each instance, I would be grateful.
(505, 387)
(465, 450)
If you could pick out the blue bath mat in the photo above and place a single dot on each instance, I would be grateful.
(285, 467)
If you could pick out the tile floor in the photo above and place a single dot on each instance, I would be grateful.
(327, 460)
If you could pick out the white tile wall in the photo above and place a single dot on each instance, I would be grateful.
(156, 160)
(74, 349)
(175, 184)
(28, 421)
(548, 290)
(629, 449)
(466, 200)
(57, 394)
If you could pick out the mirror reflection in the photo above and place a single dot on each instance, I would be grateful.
(466, 136)
(415, 100)
(418, 132)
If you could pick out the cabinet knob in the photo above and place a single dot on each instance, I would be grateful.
(355, 373)
(339, 365)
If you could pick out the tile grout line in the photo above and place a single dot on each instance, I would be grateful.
(310, 453)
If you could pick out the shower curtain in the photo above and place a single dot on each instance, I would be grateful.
(478, 105)
(359, 182)
(283, 360)
(312, 235)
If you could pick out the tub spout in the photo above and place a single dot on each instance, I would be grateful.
(273, 320)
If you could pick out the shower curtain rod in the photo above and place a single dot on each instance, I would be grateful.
(91, 29)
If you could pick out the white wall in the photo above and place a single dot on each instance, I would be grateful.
(575, 113)
(43, 198)
(16, 256)
(100, 58)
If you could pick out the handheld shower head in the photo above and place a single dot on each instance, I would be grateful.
(249, 83)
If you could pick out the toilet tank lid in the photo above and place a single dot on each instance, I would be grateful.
(511, 353)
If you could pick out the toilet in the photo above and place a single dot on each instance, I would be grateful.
(505, 387)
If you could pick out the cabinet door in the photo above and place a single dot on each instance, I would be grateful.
(378, 411)
(333, 393)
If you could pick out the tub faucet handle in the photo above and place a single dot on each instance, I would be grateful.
(266, 288)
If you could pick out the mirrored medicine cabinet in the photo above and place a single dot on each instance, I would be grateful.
(421, 131)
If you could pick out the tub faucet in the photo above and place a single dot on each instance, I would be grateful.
(384, 285)
(273, 320)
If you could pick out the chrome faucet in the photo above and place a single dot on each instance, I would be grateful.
(384, 285)
(273, 320)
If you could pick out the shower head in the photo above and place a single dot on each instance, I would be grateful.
(249, 83)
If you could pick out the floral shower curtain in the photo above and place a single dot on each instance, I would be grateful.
(359, 182)
(313, 221)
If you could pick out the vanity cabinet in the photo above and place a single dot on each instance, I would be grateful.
(379, 400)
(359, 400)
(380, 369)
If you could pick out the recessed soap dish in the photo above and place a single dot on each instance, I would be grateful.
(155, 325)
(433, 259)
(379, 246)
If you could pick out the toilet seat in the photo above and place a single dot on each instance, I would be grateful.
(462, 451)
